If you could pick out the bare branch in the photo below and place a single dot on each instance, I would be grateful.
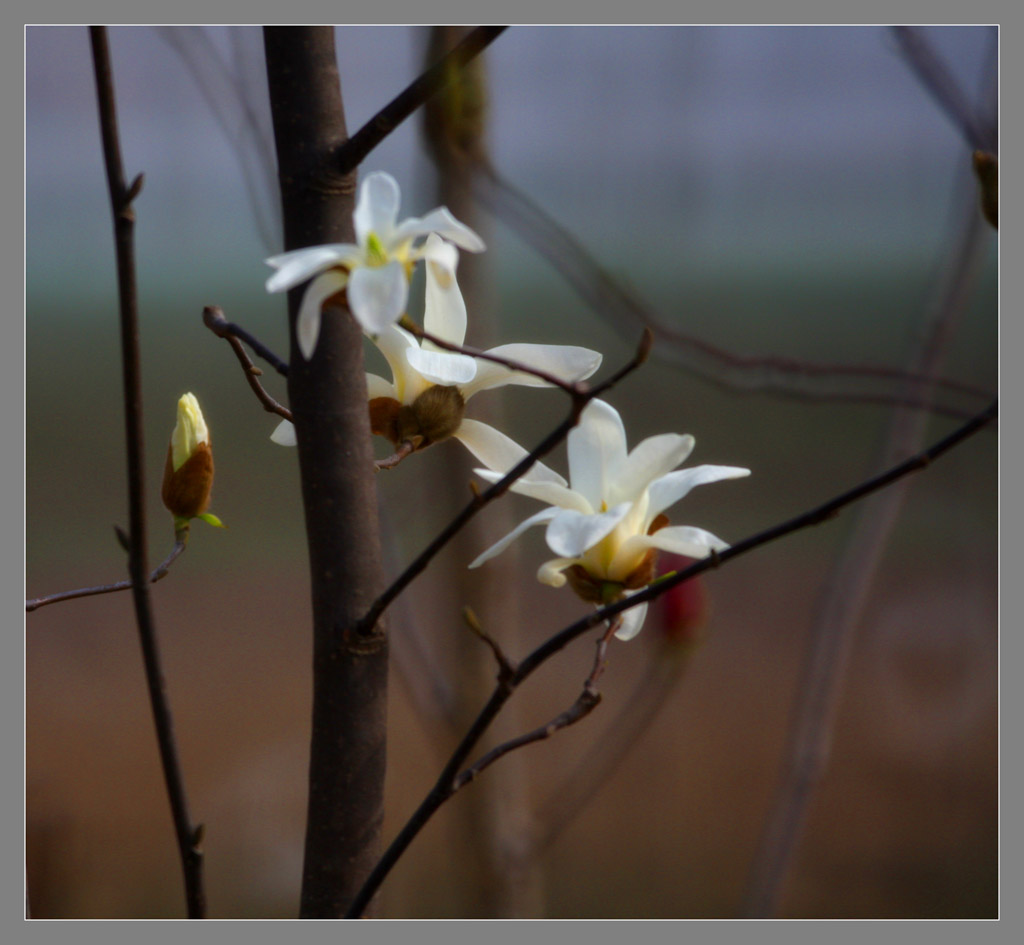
(121, 197)
(935, 76)
(581, 396)
(506, 668)
(446, 783)
(350, 154)
(843, 594)
(159, 572)
(214, 319)
(639, 709)
(586, 702)
(405, 448)
(609, 298)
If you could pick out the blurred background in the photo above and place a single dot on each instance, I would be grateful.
(796, 215)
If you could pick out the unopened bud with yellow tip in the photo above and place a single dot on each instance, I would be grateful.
(188, 472)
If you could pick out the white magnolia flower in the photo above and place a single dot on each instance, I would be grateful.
(425, 399)
(375, 269)
(608, 527)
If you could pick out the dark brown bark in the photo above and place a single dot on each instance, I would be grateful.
(121, 196)
(328, 402)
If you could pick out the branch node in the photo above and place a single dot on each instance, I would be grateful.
(122, 538)
(133, 190)
(506, 668)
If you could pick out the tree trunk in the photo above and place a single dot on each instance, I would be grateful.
(328, 400)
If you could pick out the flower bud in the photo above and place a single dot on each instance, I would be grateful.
(188, 472)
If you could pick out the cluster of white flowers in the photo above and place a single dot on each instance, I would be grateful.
(609, 525)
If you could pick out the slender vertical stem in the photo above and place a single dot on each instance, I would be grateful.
(499, 879)
(328, 401)
(121, 197)
(844, 594)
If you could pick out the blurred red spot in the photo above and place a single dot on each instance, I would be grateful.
(680, 614)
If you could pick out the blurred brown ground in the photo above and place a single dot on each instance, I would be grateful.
(903, 825)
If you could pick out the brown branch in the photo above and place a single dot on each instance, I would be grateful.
(613, 301)
(159, 572)
(935, 76)
(121, 197)
(581, 395)
(504, 689)
(843, 594)
(585, 703)
(327, 395)
(221, 327)
(622, 733)
(350, 154)
(405, 448)
(506, 668)
(214, 319)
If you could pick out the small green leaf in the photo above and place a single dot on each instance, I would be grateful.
(211, 519)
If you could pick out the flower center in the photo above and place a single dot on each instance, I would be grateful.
(376, 255)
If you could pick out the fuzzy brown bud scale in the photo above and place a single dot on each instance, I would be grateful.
(186, 490)
(433, 416)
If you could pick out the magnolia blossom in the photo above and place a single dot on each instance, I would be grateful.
(424, 402)
(188, 471)
(375, 269)
(608, 526)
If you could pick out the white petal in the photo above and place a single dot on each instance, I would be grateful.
(378, 387)
(647, 461)
(550, 572)
(498, 547)
(571, 533)
(284, 434)
(299, 264)
(566, 362)
(444, 309)
(670, 488)
(597, 448)
(393, 343)
(307, 326)
(441, 222)
(499, 452)
(441, 367)
(377, 209)
(545, 490)
(377, 296)
(679, 539)
(632, 621)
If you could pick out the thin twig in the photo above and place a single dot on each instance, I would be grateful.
(938, 80)
(585, 703)
(351, 153)
(504, 689)
(613, 301)
(576, 789)
(581, 396)
(843, 594)
(405, 448)
(214, 319)
(506, 667)
(121, 197)
(160, 572)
